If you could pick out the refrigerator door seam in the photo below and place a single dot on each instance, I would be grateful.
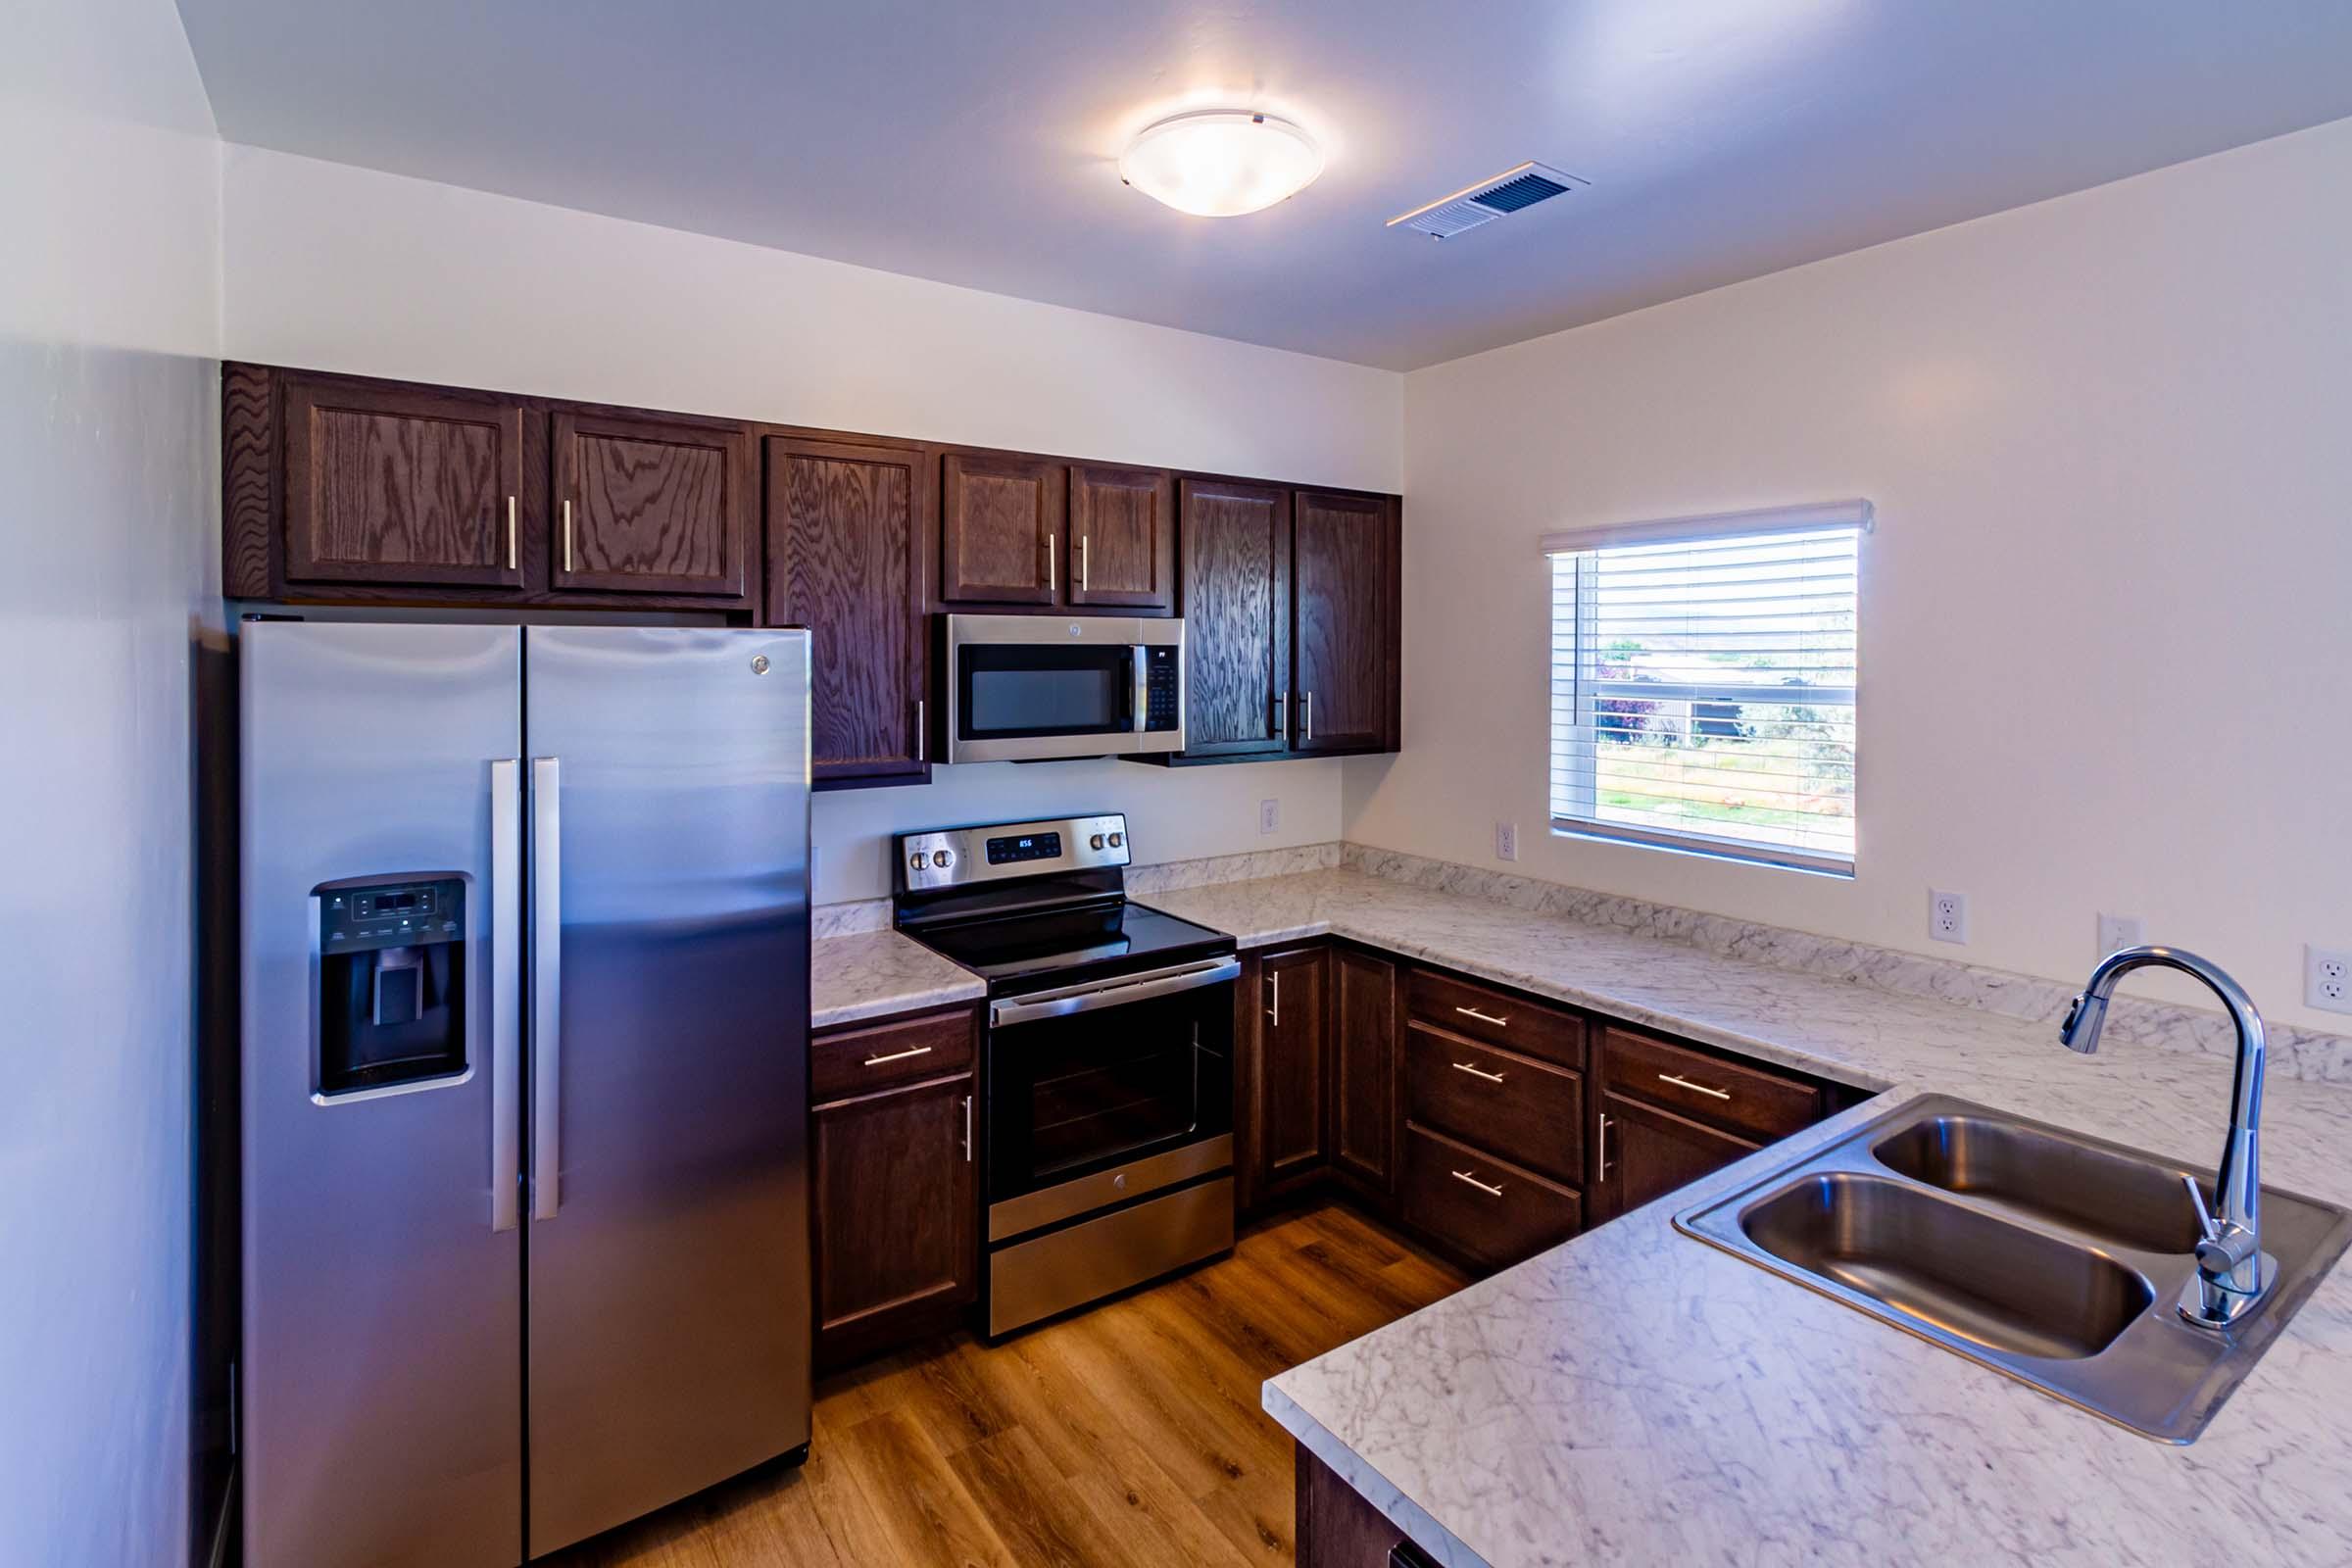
(547, 988)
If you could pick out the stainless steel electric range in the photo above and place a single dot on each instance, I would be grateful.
(1106, 1074)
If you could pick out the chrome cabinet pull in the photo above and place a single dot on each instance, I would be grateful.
(546, 987)
(1307, 715)
(967, 1128)
(1465, 1176)
(1085, 578)
(1282, 715)
(1050, 579)
(1484, 1017)
(1491, 1077)
(511, 552)
(921, 731)
(1696, 1089)
(1604, 1151)
(506, 988)
(566, 535)
(897, 1055)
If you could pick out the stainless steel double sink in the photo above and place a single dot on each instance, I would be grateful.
(2040, 1252)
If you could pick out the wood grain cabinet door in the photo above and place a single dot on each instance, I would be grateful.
(1000, 519)
(652, 506)
(1237, 616)
(896, 1213)
(1122, 538)
(1289, 1097)
(398, 485)
(844, 560)
(1645, 1153)
(1342, 636)
(1363, 1068)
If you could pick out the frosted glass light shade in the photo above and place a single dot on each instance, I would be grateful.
(1221, 163)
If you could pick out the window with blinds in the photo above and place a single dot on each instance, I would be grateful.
(1702, 684)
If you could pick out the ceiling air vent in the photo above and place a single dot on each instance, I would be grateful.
(1511, 191)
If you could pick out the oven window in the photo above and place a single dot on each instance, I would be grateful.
(1019, 688)
(1075, 1095)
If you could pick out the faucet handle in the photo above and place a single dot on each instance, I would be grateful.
(2223, 1246)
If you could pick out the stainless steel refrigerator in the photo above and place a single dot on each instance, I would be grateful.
(525, 993)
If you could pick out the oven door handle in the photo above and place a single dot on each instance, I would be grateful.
(1113, 993)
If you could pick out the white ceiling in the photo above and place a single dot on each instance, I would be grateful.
(975, 142)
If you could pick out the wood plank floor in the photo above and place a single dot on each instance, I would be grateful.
(1128, 1435)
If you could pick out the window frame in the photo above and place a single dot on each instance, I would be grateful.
(1573, 711)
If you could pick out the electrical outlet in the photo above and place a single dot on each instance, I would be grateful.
(1269, 816)
(1506, 841)
(2328, 979)
(2120, 931)
(1947, 917)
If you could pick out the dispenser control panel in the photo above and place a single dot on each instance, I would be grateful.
(393, 914)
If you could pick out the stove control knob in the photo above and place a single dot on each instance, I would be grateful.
(1118, 839)
(942, 858)
(1095, 843)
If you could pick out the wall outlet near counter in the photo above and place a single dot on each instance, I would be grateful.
(2120, 931)
(1506, 841)
(1947, 916)
(2328, 979)
(1269, 816)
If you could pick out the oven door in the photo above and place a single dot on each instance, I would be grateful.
(1027, 687)
(1099, 1094)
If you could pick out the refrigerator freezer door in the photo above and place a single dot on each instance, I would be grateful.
(668, 1311)
(379, 1381)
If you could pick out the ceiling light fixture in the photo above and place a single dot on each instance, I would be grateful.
(1221, 163)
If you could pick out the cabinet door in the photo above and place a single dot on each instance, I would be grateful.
(651, 506)
(402, 485)
(1646, 1152)
(1001, 529)
(897, 1219)
(1237, 616)
(844, 560)
(1363, 1068)
(1122, 538)
(1343, 626)
(1290, 1071)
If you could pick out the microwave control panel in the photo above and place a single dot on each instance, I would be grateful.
(1160, 706)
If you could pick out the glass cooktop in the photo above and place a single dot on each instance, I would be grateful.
(1056, 947)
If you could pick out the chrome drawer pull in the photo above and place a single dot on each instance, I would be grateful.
(1696, 1089)
(1491, 1077)
(897, 1055)
(1484, 1017)
(1604, 1153)
(1465, 1176)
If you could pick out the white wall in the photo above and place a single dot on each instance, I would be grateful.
(343, 268)
(2106, 617)
(109, 302)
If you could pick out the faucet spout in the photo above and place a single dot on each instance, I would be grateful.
(2233, 1271)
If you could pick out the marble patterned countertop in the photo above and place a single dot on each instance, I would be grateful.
(1637, 1397)
(875, 974)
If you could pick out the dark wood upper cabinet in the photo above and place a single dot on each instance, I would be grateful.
(1122, 537)
(1237, 616)
(1001, 519)
(1286, 1089)
(1344, 642)
(402, 486)
(645, 505)
(845, 559)
(1363, 1068)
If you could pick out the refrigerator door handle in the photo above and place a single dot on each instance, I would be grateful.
(506, 1002)
(547, 986)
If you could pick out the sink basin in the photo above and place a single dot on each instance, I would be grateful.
(1976, 1276)
(2039, 1252)
(2125, 1199)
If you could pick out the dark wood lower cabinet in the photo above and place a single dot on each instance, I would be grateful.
(1364, 1110)
(1337, 1528)
(1287, 1072)
(1484, 1210)
(1646, 1152)
(893, 1196)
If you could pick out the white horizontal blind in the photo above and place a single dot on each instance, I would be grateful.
(1702, 687)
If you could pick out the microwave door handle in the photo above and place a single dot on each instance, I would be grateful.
(1139, 698)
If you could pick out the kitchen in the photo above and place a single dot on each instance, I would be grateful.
(1553, 1132)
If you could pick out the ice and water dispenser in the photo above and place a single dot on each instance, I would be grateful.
(391, 982)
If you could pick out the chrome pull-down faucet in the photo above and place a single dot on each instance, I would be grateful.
(2233, 1273)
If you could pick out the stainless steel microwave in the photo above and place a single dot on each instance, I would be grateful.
(1021, 688)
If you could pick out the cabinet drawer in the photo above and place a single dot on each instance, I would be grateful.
(857, 1061)
(1489, 1210)
(1526, 1110)
(1498, 1019)
(1729, 1093)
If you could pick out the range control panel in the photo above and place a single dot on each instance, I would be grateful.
(1162, 704)
(953, 857)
